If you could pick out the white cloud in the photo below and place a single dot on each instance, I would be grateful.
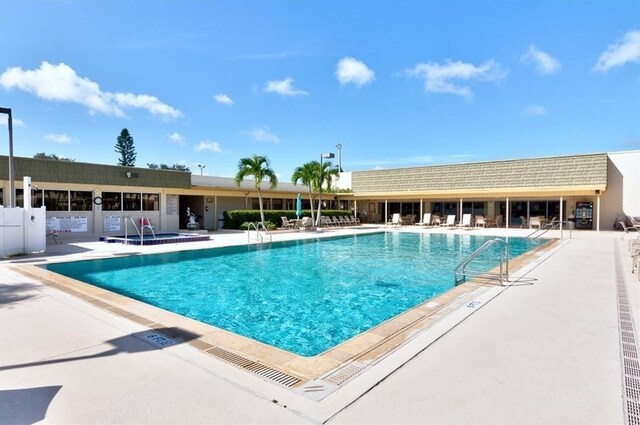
(16, 122)
(627, 50)
(350, 70)
(58, 138)
(206, 145)
(544, 62)
(534, 110)
(263, 134)
(224, 99)
(60, 83)
(144, 101)
(441, 78)
(178, 138)
(283, 87)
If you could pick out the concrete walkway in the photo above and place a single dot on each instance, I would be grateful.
(546, 350)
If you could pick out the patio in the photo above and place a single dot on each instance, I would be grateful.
(546, 350)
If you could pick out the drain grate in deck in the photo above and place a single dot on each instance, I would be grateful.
(255, 367)
(630, 363)
(345, 373)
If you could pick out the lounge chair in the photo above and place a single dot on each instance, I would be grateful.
(395, 220)
(287, 224)
(145, 224)
(436, 221)
(627, 229)
(426, 220)
(523, 221)
(344, 221)
(466, 221)
(451, 221)
(335, 221)
(409, 219)
(355, 220)
(535, 222)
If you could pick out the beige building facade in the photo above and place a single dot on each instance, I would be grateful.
(561, 187)
(93, 199)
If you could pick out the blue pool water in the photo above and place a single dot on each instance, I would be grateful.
(301, 296)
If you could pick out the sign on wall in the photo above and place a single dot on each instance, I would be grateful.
(172, 204)
(67, 224)
(112, 223)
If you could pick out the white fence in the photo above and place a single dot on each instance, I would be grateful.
(22, 231)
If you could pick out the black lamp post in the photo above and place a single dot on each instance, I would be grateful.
(201, 168)
(328, 155)
(12, 184)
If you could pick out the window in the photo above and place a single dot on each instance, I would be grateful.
(131, 202)
(111, 201)
(36, 198)
(150, 202)
(277, 204)
(255, 204)
(56, 200)
(19, 198)
(81, 201)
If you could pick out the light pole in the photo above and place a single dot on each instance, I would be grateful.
(201, 168)
(327, 155)
(339, 147)
(12, 184)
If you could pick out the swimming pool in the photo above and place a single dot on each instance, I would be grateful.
(301, 296)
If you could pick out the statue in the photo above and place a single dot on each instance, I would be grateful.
(192, 216)
(193, 223)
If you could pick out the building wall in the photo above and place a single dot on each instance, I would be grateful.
(622, 196)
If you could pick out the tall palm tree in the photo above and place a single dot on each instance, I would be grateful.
(309, 175)
(325, 177)
(257, 166)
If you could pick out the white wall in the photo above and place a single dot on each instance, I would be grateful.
(344, 182)
(622, 196)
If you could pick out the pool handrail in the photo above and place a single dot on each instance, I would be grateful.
(504, 258)
(259, 237)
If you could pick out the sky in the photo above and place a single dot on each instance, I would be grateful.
(394, 83)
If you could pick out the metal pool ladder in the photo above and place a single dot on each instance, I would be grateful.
(460, 273)
(261, 231)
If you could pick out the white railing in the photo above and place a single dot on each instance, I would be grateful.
(460, 273)
(261, 232)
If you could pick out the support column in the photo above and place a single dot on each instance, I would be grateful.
(507, 215)
(355, 207)
(561, 216)
(598, 213)
(460, 212)
(386, 211)
(216, 223)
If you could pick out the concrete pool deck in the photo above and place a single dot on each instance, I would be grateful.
(546, 350)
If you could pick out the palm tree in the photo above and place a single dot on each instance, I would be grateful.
(309, 175)
(325, 176)
(257, 166)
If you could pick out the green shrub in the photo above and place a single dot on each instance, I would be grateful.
(234, 219)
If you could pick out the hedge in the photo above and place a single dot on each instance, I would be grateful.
(233, 219)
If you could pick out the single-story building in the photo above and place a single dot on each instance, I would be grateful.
(95, 199)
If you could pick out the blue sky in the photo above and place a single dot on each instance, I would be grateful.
(397, 83)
